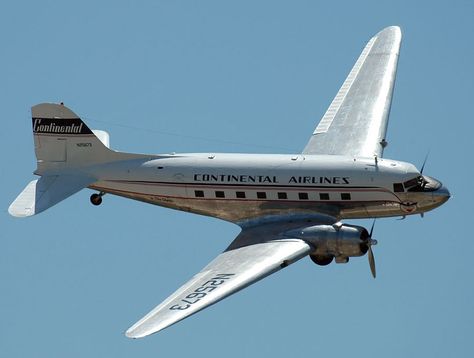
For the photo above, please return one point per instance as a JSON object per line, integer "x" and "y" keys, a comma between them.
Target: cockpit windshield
{"x": 422, "y": 183}
{"x": 412, "y": 183}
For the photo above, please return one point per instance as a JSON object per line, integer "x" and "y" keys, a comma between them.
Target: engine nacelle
{"x": 339, "y": 241}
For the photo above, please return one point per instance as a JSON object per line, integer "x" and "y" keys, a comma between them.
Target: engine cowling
{"x": 335, "y": 241}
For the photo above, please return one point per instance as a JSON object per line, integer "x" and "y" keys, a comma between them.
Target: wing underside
{"x": 242, "y": 264}
{"x": 355, "y": 123}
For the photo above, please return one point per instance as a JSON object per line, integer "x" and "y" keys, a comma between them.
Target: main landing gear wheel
{"x": 96, "y": 199}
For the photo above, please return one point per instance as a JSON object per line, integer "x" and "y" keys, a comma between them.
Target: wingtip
{"x": 139, "y": 331}
{"x": 392, "y": 31}
{"x": 393, "y": 28}
{"x": 389, "y": 39}
{"x": 130, "y": 335}
{"x": 137, "y": 334}
{"x": 134, "y": 333}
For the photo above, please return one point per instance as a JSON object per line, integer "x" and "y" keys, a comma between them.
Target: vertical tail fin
{"x": 62, "y": 139}
{"x": 64, "y": 146}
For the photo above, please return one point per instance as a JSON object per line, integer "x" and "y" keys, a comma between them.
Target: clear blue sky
{"x": 222, "y": 76}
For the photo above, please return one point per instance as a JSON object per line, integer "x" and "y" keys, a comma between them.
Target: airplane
{"x": 288, "y": 206}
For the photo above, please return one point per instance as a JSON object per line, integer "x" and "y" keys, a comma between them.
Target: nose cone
{"x": 441, "y": 195}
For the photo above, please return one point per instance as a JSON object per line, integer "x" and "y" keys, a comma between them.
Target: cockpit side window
{"x": 421, "y": 183}
{"x": 418, "y": 181}
{"x": 398, "y": 187}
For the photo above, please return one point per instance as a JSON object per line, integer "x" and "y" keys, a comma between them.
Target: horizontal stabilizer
{"x": 41, "y": 194}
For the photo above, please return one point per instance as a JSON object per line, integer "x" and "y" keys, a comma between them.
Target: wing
{"x": 256, "y": 253}
{"x": 356, "y": 122}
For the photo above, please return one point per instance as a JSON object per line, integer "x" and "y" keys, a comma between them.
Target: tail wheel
{"x": 96, "y": 199}
{"x": 321, "y": 260}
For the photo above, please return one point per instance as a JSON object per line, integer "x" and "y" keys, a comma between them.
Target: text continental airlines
{"x": 232, "y": 178}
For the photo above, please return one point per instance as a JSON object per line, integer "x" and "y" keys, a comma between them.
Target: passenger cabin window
{"x": 261, "y": 195}
{"x": 346, "y": 196}
{"x": 220, "y": 194}
{"x": 398, "y": 187}
{"x": 324, "y": 196}
{"x": 303, "y": 196}
{"x": 240, "y": 194}
{"x": 282, "y": 196}
{"x": 198, "y": 193}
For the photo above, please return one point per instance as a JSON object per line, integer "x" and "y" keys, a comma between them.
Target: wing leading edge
{"x": 356, "y": 121}
{"x": 257, "y": 252}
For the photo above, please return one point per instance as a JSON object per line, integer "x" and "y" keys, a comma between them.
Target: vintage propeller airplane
{"x": 288, "y": 206}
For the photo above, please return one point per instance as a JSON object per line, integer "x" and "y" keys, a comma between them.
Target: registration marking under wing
{"x": 228, "y": 273}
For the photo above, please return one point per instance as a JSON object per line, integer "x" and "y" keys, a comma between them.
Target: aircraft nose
{"x": 442, "y": 194}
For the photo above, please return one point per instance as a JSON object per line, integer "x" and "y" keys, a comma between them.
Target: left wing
{"x": 355, "y": 123}
{"x": 253, "y": 255}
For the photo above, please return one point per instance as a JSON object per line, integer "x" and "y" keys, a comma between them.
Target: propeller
{"x": 370, "y": 254}
{"x": 424, "y": 162}
{"x": 423, "y": 168}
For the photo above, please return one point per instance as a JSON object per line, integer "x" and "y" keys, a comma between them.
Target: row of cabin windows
{"x": 263, "y": 195}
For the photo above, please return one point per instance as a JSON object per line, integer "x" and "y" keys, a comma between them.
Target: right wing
{"x": 228, "y": 273}
{"x": 355, "y": 123}
{"x": 257, "y": 252}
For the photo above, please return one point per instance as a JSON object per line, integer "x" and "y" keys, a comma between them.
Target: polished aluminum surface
{"x": 356, "y": 121}
{"x": 230, "y": 272}
{"x": 288, "y": 206}
{"x": 174, "y": 185}
{"x": 41, "y": 194}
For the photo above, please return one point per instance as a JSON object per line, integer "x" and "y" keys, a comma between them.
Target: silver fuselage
{"x": 239, "y": 187}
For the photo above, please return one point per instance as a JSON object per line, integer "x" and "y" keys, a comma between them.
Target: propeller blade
{"x": 424, "y": 162}
{"x": 372, "y": 262}
{"x": 372, "y": 229}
